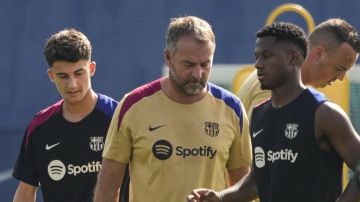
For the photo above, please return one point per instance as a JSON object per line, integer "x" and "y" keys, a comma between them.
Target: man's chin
{"x": 264, "y": 87}
{"x": 192, "y": 92}
{"x": 73, "y": 99}
{"x": 322, "y": 85}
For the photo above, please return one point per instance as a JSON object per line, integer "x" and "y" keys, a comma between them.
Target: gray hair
{"x": 196, "y": 27}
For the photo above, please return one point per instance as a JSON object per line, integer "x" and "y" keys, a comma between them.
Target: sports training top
{"x": 173, "y": 148}
{"x": 288, "y": 163}
{"x": 63, "y": 157}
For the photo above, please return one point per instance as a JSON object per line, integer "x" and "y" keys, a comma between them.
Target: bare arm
{"x": 109, "y": 181}
{"x": 25, "y": 192}
{"x": 352, "y": 191}
{"x": 334, "y": 126}
{"x": 237, "y": 174}
{"x": 244, "y": 190}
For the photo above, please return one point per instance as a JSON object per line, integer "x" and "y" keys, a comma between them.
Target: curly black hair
{"x": 285, "y": 31}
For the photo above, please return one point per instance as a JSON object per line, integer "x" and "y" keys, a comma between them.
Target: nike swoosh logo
{"x": 257, "y": 133}
{"x": 48, "y": 147}
{"x": 154, "y": 128}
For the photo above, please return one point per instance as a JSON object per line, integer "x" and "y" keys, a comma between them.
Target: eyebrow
{"x": 62, "y": 73}
{"x": 190, "y": 62}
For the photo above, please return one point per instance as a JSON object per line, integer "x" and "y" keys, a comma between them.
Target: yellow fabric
{"x": 184, "y": 127}
{"x": 241, "y": 76}
{"x": 251, "y": 94}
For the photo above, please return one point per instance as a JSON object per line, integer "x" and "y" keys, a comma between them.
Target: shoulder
{"x": 262, "y": 107}
{"x": 316, "y": 95}
{"x": 138, "y": 94}
{"x": 221, "y": 93}
{"x": 251, "y": 80}
{"x": 106, "y": 104}
{"x": 251, "y": 94}
{"x": 250, "y": 84}
{"x": 141, "y": 92}
{"x": 329, "y": 111}
{"x": 229, "y": 99}
{"x": 331, "y": 120}
{"x": 43, "y": 116}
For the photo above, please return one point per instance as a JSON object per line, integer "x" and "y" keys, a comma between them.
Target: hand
{"x": 203, "y": 195}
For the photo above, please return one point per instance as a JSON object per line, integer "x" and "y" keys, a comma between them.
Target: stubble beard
{"x": 187, "y": 87}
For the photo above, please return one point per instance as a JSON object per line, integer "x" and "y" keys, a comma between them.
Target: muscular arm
{"x": 237, "y": 174}
{"x": 243, "y": 190}
{"x": 25, "y": 192}
{"x": 352, "y": 191}
{"x": 334, "y": 130}
{"x": 109, "y": 181}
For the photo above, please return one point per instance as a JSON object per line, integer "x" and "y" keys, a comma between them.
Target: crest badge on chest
{"x": 291, "y": 130}
{"x": 96, "y": 143}
{"x": 212, "y": 129}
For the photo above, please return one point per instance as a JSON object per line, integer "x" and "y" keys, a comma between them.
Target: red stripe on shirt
{"x": 42, "y": 117}
{"x": 137, "y": 94}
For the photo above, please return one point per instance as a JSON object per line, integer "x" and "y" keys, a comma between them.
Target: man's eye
{"x": 339, "y": 69}
{"x": 62, "y": 76}
{"x": 266, "y": 56}
{"x": 262, "y": 57}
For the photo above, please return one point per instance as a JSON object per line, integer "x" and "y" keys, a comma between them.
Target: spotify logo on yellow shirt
{"x": 162, "y": 149}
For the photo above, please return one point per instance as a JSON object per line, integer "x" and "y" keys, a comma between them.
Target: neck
{"x": 306, "y": 72}
{"x": 75, "y": 112}
{"x": 287, "y": 93}
{"x": 175, "y": 94}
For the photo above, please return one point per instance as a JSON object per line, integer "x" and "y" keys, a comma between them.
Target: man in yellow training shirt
{"x": 179, "y": 132}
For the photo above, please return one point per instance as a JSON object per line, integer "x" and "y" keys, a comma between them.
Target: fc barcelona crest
{"x": 96, "y": 143}
{"x": 291, "y": 130}
{"x": 211, "y": 129}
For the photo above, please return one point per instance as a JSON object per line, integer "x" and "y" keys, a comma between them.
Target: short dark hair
{"x": 284, "y": 31}
{"x": 67, "y": 45}
{"x": 334, "y": 32}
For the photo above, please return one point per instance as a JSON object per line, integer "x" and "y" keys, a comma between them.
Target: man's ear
{"x": 92, "y": 67}
{"x": 317, "y": 54}
{"x": 167, "y": 57}
{"x": 51, "y": 75}
{"x": 296, "y": 58}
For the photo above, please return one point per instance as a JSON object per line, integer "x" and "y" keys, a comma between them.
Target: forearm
{"x": 25, "y": 192}
{"x": 23, "y": 198}
{"x": 106, "y": 193}
{"x": 245, "y": 190}
{"x": 352, "y": 190}
{"x": 238, "y": 174}
{"x": 109, "y": 181}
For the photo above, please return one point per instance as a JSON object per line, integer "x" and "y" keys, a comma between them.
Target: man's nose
{"x": 197, "y": 72}
{"x": 72, "y": 83}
